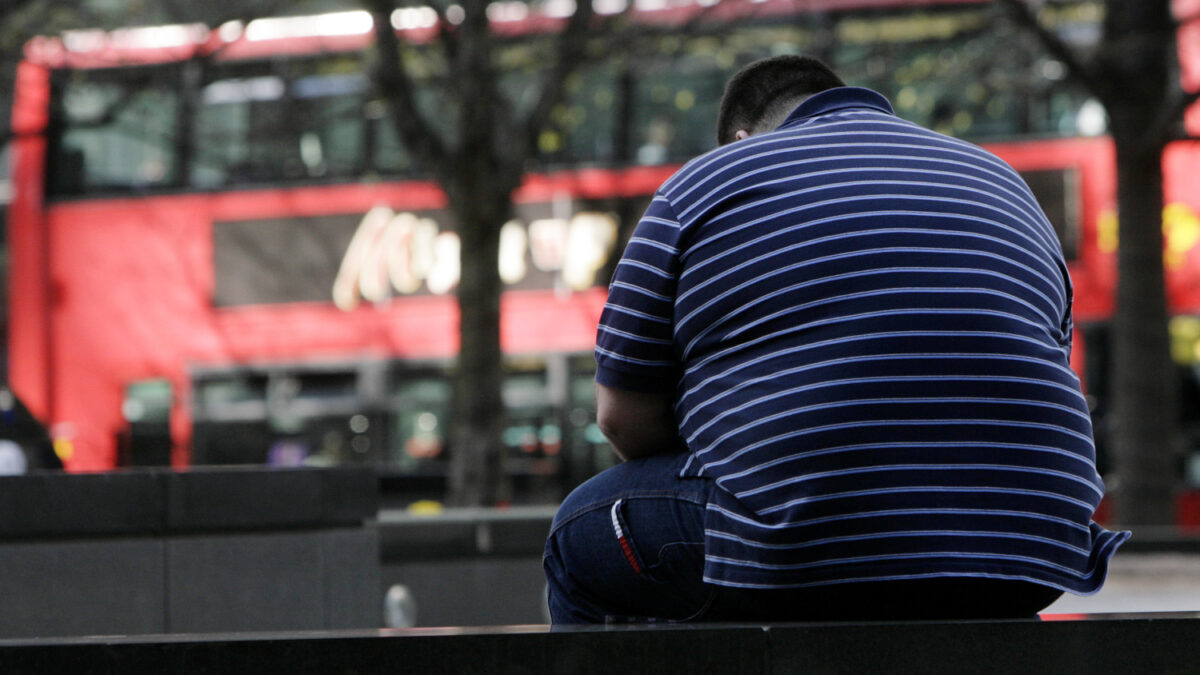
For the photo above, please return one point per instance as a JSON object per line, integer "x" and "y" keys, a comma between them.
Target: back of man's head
{"x": 760, "y": 96}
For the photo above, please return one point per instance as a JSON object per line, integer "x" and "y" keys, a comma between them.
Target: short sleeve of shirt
{"x": 634, "y": 348}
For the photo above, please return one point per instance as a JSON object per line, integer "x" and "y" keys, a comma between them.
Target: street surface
{"x": 1142, "y": 582}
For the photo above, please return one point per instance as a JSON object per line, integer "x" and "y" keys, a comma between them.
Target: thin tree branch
{"x": 474, "y": 81}
{"x": 1084, "y": 72}
{"x": 1187, "y": 99}
{"x": 581, "y": 32}
{"x": 570, "y": 52}
{"x": 1172, "y": 112}
{"x": 1181, "y": 22}
{"x": 7, "y": 7}
{"x": 12, "y": 10}
{"x": 1166, "y": 128}
{"x": 397, "y": 86}
{"x": 447, "y": 34}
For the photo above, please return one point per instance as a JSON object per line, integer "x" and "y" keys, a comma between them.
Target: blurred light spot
{"x": 84, "y": 40}
{"x": 399, "y": 607}
{"x": 231, "y": 31}
{"x": 559, "y": 9}
{"x": 1091, "y": 120}
{"x": 133, "y": 410}
{"x": 64, "y": 448}
{"x": 427, "y": 421}
{"x": 267, "y": 88}
{"x": 12, "y": 459}
{"x": 610, "y": 6}
{"x": 312, "y": 154}
{"x": 159, "y": 37}
{"x": 1053, "y": 70}
{"x": 357, "y": 22}
{"x": 507, "y": 11}
{"x": 963, "y": 121}
{"x": 549, "y": 141}
{"x": 425, "y": 507}
{"x": 410, "y": 18}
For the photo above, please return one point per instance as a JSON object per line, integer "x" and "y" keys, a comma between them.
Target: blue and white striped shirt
{"x": 866, "y": 326}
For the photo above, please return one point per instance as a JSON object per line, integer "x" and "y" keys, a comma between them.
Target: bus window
{"x": 328, "y": 109}
{"x": 589, "y": 452}
{"x": 230, "y": 418}
{"x": 1057, "y": 193}
{"x": 420, "y": 420}
{"x": 533, "y": 433}
{"x": 937, "y": 69}
{"x": 146, "y": 439}
{"x": 530, "y": 412}
{"x": 583, "y": 128}
{"x": 290, "y": 120}
{"x": 241, "y": 131}
{"x": 118, "y": 131}
{"x": 675, "y": 100}
{"x": 388, "y": 154}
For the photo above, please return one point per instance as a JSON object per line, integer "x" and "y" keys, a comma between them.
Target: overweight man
{"x": 835, "y": 359}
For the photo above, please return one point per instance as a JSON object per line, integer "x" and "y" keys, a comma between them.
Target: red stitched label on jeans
{"x": 623, "y": 540}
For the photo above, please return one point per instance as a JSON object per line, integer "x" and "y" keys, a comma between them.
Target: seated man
{"x": 835, "y": 355}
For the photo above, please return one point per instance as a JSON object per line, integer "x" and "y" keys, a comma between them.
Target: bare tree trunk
{"x": 1145, "y": 432}
{"x": 1139, "y": 49}
{"x": 1133, "y": 74}
{"x": 479, "y": 167}
{"x": 477, "y": 472}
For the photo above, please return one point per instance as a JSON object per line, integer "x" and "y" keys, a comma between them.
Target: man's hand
{"x": 637, "y": 424}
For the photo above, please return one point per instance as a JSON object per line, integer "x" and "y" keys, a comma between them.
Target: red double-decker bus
{"x": 221, "y": 253}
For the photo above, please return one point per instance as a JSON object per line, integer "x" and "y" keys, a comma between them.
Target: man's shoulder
{"x": 830, "y": 136}
{"x": 725, "y": 161}
{"x": 701, "y": 167}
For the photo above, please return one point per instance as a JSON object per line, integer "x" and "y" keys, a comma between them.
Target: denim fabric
{"x": 657, "y": 574}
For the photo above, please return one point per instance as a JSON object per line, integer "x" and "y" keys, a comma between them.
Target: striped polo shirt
{"x": 866, "y": 326}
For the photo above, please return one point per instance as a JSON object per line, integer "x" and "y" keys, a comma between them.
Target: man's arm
{"x": 638, "y": 424}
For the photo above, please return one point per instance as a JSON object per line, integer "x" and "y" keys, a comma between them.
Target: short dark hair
{"x": 754, "y": 94}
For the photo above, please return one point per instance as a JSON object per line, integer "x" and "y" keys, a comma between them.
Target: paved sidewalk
{"x": 1142, "y": 582}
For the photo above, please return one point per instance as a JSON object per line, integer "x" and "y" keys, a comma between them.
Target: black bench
{"x": 1115, "y": 644}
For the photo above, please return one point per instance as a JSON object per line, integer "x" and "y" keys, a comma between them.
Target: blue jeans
{"x": 627, "y": 546}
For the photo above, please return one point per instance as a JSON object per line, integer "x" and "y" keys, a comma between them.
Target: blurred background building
{"x": 220, "y": 252}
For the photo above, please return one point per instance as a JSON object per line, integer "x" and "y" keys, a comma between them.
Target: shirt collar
{"x": 838, "y": 98}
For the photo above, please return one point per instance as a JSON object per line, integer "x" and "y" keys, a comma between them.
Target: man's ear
{"x": 741, "y": 134}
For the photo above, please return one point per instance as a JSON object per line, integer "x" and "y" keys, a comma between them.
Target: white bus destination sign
{"x": 400, "y": 252}
{"x": 385, "y": 254}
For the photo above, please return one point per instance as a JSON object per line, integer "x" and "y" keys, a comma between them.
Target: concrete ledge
{"x": 163, "y": 501}
{"x": 469, "y": 567}
{"x": 215, "y": 549}
{"x": 461, "y": 534}
{"x": 1133, "y": 643}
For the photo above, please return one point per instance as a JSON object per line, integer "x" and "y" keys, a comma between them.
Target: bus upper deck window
{"x": 116, "y": 134}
